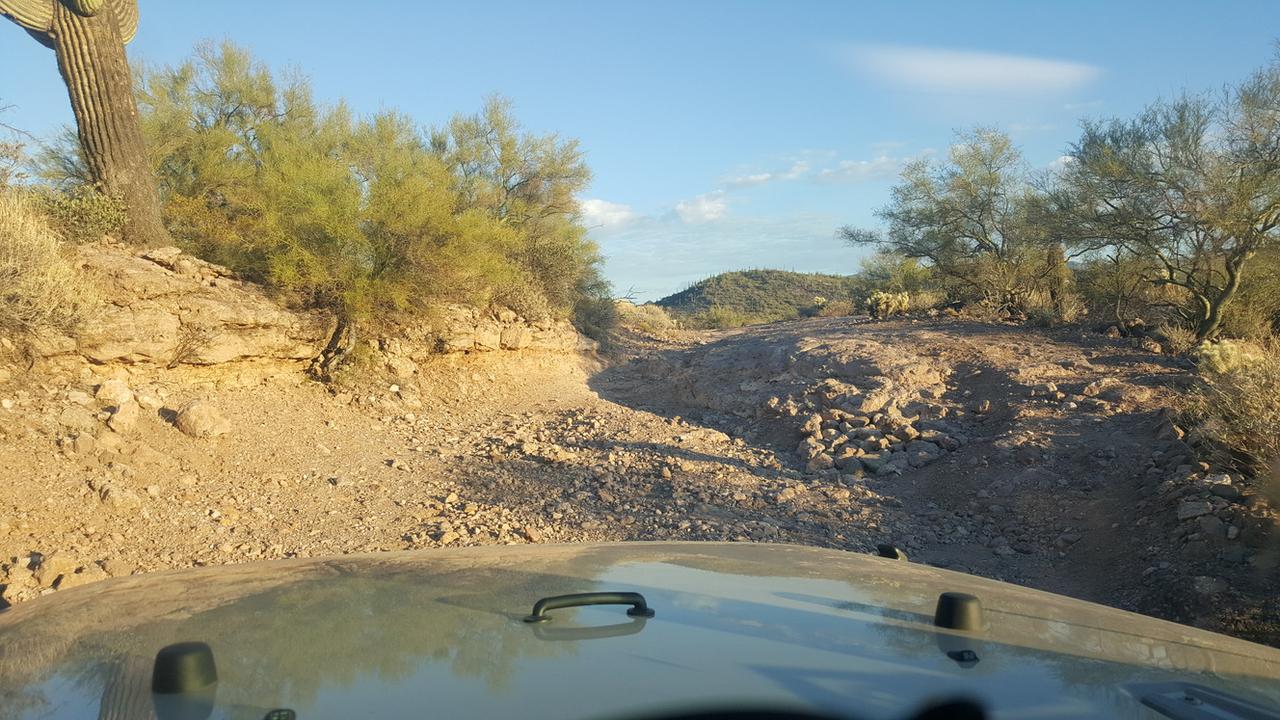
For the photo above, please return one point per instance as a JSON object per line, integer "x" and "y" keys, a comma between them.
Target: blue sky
{"x": 722, "y": 135}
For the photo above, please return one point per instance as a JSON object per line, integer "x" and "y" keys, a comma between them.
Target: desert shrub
{"x": 40, "y": 288}
{"x": 595, "y": 318}
{"x": 1071, "y": 307}
{"x": 836, "y": 308}
{"x": 975, "y": 219}
{"x": 1237, "y": 405}
{"x": 1048, "y": 309}
{"x": 891, "y": 272}
{"x": 12, "y": 160}
{"x": 814, "y": 307}
{"x": 1254, "y": 313}
{"x": 718, "y": 317}
{"x": 1177, "y": 339}
{"x": 81, "y": 214}
{"x": 885, "y": 304}
{"x": 648, "y": 318}
{"x": 1041, "y": 317}
{"x": 595, "y": 312}
{"x": 926, "y": 299}
{"x": 1115, "y": 288}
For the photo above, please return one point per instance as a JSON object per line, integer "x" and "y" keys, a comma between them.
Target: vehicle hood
{"x": 395, "y": 634}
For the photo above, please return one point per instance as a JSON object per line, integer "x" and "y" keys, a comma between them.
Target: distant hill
{"x": 762, "y": 294}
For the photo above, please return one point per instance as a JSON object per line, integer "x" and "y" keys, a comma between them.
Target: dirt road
{"x": 1035, "y": 457}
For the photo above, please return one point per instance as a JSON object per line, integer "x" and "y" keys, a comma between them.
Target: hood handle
{"x": 639, "y": 608}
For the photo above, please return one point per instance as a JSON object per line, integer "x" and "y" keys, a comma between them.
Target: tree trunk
{"x": 336, "y": 351}
{"x": 1211, "y": 320}
{"x": 92, "y": 62}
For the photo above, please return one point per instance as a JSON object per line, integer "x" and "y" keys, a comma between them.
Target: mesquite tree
{"x": 974, "y": 218}
{"x": 88, "y": 37}
{"x": 1190, "y": 186}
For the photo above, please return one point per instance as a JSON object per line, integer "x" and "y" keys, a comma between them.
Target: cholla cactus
{"x": 819, "y": 301}
{"x": 1228, "y": 356}
{"x": 884, "y": 304}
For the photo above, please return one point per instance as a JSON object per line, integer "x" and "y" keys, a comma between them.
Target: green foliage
{"x": 367, "y": 216}
{"x": 81, "y": 214}
{"x": 1114, "y": 287}
{"x": 648, "y": 318}
{"x": 892, "y": 272}
{"x": 836, "y": 308}
{"x": 975, "y": 219}
{"x": 41, "y": 290}
{"x": 1237, "y": 406}
{"x": 1189, "y": 188}
{"x": 719, "y": 317}
{"x": 595, "y": 313}
{"x": 526, "y": 183}
{"x": 923, "y": 300}
{"x": 755, "y": 296}
{"x": 1255, "y": 311}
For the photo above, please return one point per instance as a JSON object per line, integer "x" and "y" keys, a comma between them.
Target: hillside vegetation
{"x": 747, "y": 297}
{"x": 372, "y": 218}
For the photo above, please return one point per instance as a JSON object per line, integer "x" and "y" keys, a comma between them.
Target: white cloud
{"x": 749, "y": 180}
{"x": 1060, "y": 163}
{"x": 879, "y": 167}
{"x": 798, "y": 169}
{"x": 703, "y": 208}
{"x": 960, "y": 71}
{"x": 596, "y": 212}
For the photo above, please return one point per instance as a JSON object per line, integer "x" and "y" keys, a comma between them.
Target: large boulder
{"x": 200, "y": 419}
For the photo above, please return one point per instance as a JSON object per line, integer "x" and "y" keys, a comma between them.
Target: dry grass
{"x": 1238, "y": 404}
{"x": 835, "y": 308}
{"x": 924, "y": 300}
{"x": 650, "y": 319}
{"x": 1177, "y": 338}
{"x": 40, "y": 288}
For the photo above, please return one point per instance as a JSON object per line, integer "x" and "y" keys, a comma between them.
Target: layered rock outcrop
{"x": 165, "y": 308}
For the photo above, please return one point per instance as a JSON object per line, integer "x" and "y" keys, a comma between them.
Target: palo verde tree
{"x": 528, "y": 183}
{"x": 370, "y": 218}
{"x": 88, "y": 38}
{"x": 1191, "y": 187}
{"x": 973, "y": 218}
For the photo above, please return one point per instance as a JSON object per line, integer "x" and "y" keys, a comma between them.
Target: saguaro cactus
{"x": 88, "y": 37}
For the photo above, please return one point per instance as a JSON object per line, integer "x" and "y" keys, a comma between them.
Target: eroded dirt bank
{"x": 1041, "y": 458}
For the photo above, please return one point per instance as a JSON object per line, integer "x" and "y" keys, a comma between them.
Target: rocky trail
{"x": 1042, "y": 458}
